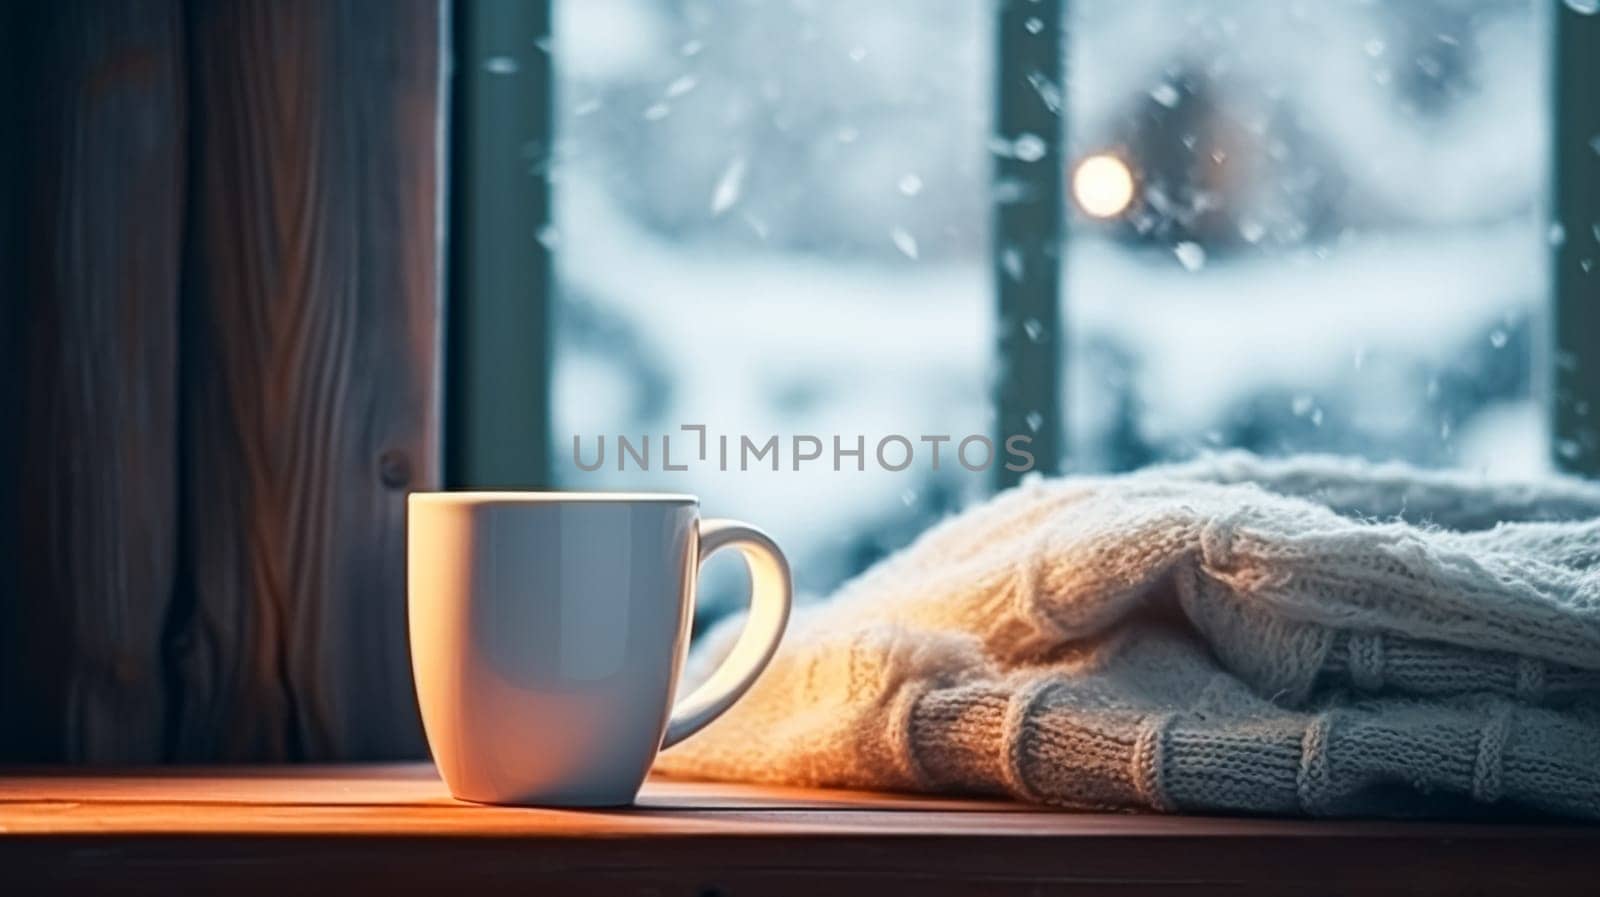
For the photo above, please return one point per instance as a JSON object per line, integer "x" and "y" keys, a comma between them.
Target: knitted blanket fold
{"x": 1309, "y": 636}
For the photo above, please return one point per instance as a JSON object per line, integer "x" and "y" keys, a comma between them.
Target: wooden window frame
{"x": 1574, "y": 369}
{"x": 498, "y": 357}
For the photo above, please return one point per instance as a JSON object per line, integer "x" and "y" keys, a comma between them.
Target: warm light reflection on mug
{"x": 1102, "y": 185}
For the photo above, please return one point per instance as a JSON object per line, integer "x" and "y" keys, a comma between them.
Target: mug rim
{"x": 543, "y": 497}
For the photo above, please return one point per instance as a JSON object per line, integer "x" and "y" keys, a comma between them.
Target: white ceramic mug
{"x": 547, "y": 631}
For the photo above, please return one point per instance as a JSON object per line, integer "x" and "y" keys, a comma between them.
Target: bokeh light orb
{"x": 1103, "y": 185}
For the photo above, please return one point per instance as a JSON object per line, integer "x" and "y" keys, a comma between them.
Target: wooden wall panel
{"x": 310, "y": 388}
{"x": 88, "y": 282}
{"x": 13, "y": 282}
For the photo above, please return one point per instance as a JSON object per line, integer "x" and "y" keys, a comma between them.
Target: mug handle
{"x": 771, "y": 593}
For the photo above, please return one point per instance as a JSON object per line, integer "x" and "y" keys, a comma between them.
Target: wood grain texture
{"x": 310, "y": 388}
{"x": 394, "y": 830}
{"x": 94, "y": 183}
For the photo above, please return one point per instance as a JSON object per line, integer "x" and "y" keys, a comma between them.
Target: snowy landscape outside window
{"x": 1295, "y": 226}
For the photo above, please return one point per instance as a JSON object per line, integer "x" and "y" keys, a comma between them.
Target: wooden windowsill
{"x": 394, "y": 830}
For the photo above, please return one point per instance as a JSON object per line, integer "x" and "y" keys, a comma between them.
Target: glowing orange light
{"x": 1103, "y": 185}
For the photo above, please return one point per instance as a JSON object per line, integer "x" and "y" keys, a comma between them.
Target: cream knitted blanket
{"x": 1304, "y": 637}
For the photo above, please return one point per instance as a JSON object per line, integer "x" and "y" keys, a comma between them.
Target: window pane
{"x": 1333, "y": 240}
{"x": 1302, "y": 226}
{"x": 771, "y": 220}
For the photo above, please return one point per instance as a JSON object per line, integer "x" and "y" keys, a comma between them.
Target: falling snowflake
{"x": 1011, "y": 262}
{"x": 1048, "y": 91}
{"x": 1191, "y": 255}
{"x": 1165, "y": 94}
{"x": 757, "y": 226}
{"x": 500, "y": 65}
{"x": 682, "y": 86}
{"x": 729, "y": 186}
{"x": 910, "y": 184}
{"x": 1584, "y": 7}
{"x": 904, "y": 242}
{"x": 657, "y": 112}
{"x": 1028, "y": 148}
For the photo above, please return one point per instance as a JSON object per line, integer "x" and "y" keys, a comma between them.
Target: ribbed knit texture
{"x": 1310, "y": 636}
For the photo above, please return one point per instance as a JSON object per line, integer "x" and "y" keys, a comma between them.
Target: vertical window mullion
{"x": 1575, "y": 372}
{"x": 498, "y": 321}
{"x": 1028, "y": 223}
